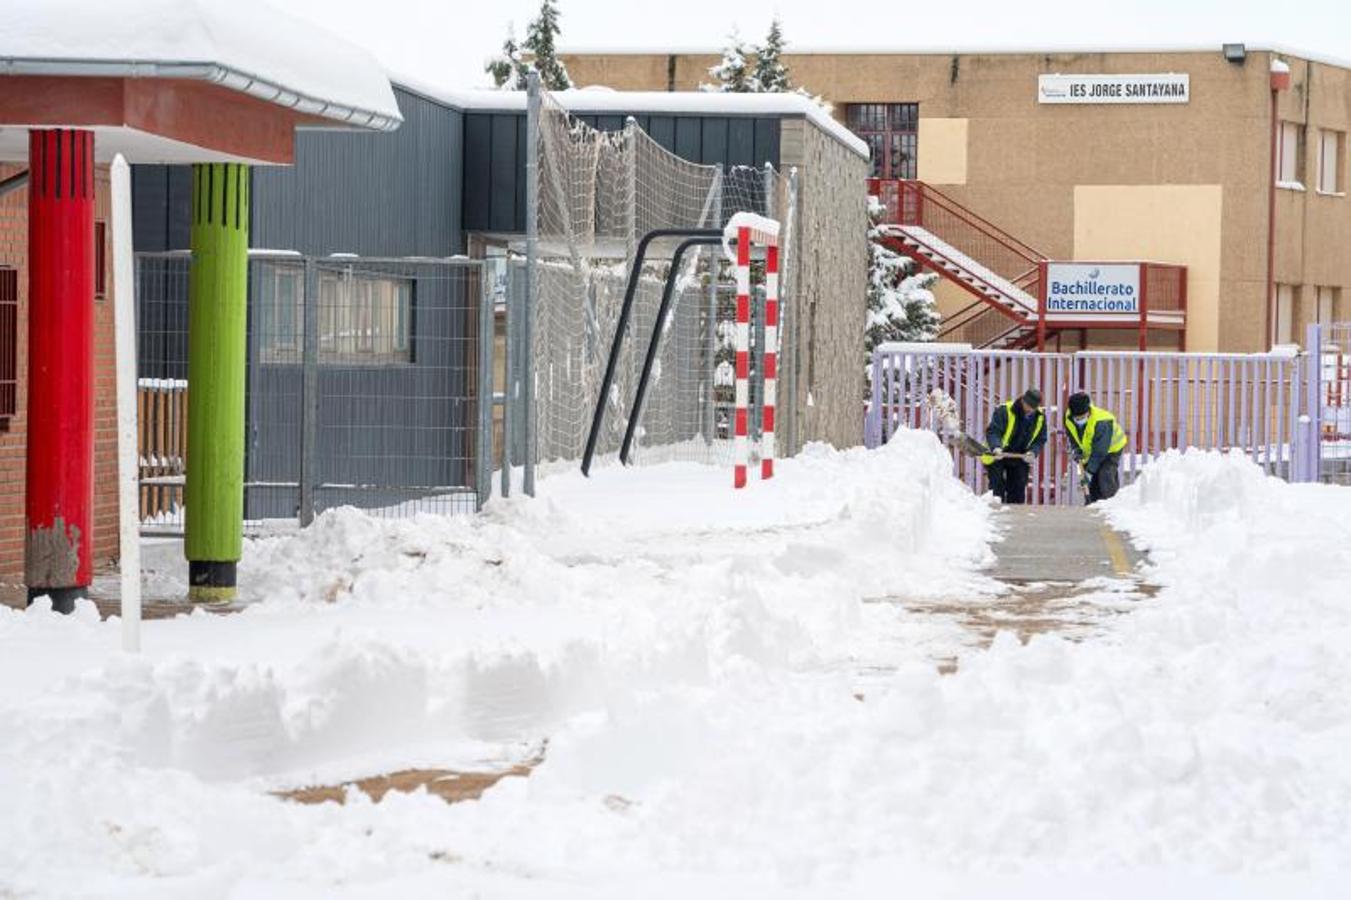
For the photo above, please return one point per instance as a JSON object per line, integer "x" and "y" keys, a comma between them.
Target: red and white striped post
{"x": 740, "y": 440}
{"x": 748, "y": 228}
{"x": 770, "y": 359}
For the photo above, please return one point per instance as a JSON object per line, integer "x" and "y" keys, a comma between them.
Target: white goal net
{"x": 598, "y": 194}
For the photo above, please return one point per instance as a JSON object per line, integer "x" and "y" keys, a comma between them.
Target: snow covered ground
{"x": 687, "y": 660}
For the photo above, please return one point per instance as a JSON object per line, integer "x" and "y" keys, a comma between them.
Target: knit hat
{"x": 1032, "y": 398}
{"x": 1079, "y": 404}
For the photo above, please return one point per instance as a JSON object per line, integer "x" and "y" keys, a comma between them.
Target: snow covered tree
{"x": 770, "y": 76}
{"x": 507, "y": 69}
{"x": 540, "y": 40}
{"x": 733, "y": 74}
{"x": 901, "y": 306}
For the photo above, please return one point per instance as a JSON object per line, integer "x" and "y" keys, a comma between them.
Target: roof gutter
{"x": 233, "y": 79}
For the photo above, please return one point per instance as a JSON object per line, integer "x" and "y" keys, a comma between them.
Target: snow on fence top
{"x": 605, "y": 100}
{"x": 246, "y": 45}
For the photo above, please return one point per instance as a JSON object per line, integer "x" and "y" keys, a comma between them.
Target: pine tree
{"x": 770, "y": 76}
{"x": 507, "y": 69}
{"x": 731, "y": 75}
{"x": 901, "y": 306}
{"x": 540, "y": 41}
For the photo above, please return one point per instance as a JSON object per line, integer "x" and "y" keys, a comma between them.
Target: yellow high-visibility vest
{"x": 1085, "y": 438}
{"x": 1008, "y": 429}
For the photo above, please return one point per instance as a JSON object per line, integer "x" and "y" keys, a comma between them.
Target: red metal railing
{"x": 916, "y": 203}
{"x": 981, "y": 325}
{"x": 1166, "y": 287}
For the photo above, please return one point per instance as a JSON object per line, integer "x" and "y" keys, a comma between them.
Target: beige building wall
{"x": 1022, "y": 164}
{"x": 1173, "y": 223}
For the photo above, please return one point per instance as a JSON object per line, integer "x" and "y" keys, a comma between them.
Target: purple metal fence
{"x": 1262, "y": 404}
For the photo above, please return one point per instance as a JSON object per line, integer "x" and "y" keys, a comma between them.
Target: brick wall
{"x": 14, "y": 252}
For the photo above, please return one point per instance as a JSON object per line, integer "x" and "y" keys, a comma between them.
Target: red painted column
{"x": 60, "y": 475}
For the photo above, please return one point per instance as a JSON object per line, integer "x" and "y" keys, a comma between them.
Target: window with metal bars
{"x": 891, "y": 131}
{"x": 100, "y": 260}
{"x": 9, "y": 345}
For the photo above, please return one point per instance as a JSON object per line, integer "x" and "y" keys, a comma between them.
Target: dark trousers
{"x": 1106, "y": 480}
{"x": 1008, "y": 479}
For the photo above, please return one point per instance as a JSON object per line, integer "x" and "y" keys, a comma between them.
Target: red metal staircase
{"x": 1002, "y": 273}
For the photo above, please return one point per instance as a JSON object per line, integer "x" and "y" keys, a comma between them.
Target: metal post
{"x": 1314, "y": 401}
{"x": 531, "y": 277}
{"x": 711, "y": 326}
{"x": 128, "y": 467}
{"x": 487, "y": 311}
{"x": 788, "y": 317}
{"x": 509, "y": 355}
{"x": 309, "y": 393}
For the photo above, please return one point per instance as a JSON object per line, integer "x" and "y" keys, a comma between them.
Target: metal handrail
{"x": 927, "y": 192}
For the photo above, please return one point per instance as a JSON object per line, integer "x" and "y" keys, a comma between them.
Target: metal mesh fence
{"x": 599, "y": 193}
{"x": 1335, "y": 377}
{"x": 362, "y": 386}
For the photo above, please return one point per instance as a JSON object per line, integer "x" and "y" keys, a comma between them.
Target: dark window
{"x": 9, "y": 344}
{"x": 363, "y": 319}
{"x": 891, "y": 131}
{"x": 100, "y": 260}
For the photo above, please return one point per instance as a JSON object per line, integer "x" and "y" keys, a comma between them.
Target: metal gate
{"x": 363, "y": 386}
{"x": 1261, "y": 404}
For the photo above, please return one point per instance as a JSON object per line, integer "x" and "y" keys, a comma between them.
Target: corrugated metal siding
{"x": 494, "y": 158}
{"x": 161, "y": 211}
{"x": 393, "y": 194}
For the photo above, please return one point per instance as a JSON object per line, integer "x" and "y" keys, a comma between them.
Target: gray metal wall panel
{"x": 374, "y": 194}
{"x": 490, "y": 150}
{"x": 504, "y": 181}
{"x": 713, "y": 148}
{"x": 741, "y": 142}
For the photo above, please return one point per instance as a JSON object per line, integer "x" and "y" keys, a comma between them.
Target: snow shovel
{"x": 1083, "y": 488}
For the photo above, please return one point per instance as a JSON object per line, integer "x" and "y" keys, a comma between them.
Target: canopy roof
{"x": 177, "y": 65}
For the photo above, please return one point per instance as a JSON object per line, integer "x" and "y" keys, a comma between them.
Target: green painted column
{"x": 217, "y": 313}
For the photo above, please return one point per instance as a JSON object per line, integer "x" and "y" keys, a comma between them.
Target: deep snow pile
{"x": 382, "y": 645}
{"x": 685, "y": 651}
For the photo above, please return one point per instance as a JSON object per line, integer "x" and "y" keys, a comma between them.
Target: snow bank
{"x": 690, "y": 655}
{"x": 379, "y": 645}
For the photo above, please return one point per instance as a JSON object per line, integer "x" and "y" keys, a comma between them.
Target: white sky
{"x": 446, "y": 41}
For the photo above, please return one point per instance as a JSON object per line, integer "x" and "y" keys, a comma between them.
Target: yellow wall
{"x": 1162, "y": 223}
{"x": 942, "y": 151}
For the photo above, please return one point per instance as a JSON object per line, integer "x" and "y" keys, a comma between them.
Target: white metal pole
{"x": 124, "y": 326}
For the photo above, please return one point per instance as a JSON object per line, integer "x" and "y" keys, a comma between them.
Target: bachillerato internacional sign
{"x": 1090, "y": 290}
{"x": 1171, "y": 88}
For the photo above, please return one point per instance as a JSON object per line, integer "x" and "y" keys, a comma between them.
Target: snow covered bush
{"x": 901, "y": 306}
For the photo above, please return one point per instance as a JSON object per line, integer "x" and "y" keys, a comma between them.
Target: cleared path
{"x": 1060, "y": 543}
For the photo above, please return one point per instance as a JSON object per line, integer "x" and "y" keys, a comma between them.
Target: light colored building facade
{"x": 1180, "y": 179}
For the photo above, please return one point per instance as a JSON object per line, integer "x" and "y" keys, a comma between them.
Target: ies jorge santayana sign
{"x": 1170, "y": 88}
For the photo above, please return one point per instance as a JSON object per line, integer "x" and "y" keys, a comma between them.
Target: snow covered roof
{"x": 606, "y": 100}
{"x": 245, "y": 46}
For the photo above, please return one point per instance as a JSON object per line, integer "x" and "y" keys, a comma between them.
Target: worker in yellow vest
{"x": 1015, "y": 436}
{"x": 1096, "y": 441}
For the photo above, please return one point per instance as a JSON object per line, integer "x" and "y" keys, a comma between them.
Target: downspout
{"x": 1280, "y": 81}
